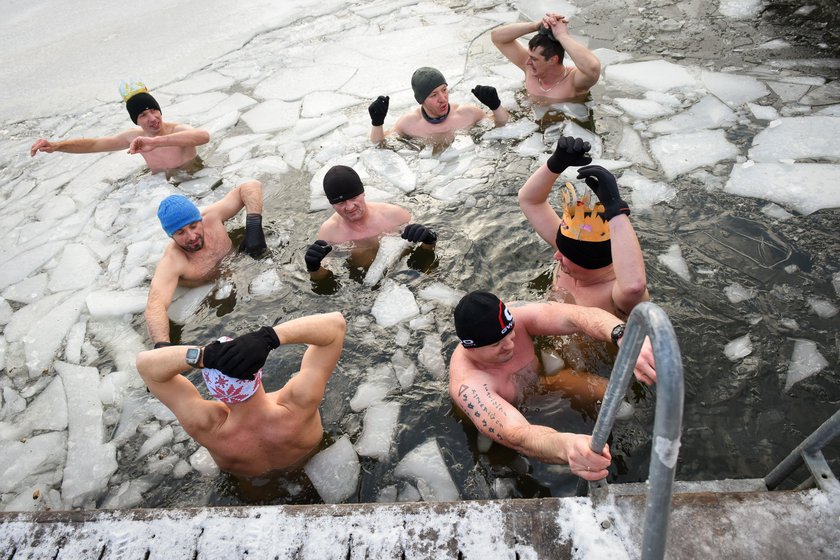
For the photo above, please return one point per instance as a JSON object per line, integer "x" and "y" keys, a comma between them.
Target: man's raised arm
{"x": 161, "y": 290}
{"x": 587, "y": 64}
{"x": 85, "y": 145}
{"x": 505, "y": 39}
{"x": 250, "y": 196}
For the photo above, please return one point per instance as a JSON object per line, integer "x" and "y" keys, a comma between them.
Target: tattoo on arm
{"x": 483, "y": 409}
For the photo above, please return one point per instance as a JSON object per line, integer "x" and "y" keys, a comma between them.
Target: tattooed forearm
{"x": 483, "y": 409}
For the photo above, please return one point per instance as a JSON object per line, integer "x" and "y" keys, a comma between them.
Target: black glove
{"x": 417, "y": 232}
{"x": 488, "y": 96}
{"x": 378, "y": 110}
{"x": 254, "y": 242}
{"x": 243, "y": 356}
{"x": 603, "y": 183}
{"x": 162, "y": 344}
{"x": 569, "y": 151}
{"x": 315, "y": 254}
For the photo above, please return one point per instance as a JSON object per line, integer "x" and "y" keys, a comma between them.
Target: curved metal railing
{"x": 649, "y": 320}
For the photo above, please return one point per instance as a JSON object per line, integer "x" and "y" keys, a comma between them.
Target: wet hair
{"x": 551, "y": 47}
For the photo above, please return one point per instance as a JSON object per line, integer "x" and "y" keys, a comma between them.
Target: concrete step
{"x": 732, "y": 525}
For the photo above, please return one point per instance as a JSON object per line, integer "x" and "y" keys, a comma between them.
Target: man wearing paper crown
{"x": 167, "y": 147}
{"x": 599, "y": 260}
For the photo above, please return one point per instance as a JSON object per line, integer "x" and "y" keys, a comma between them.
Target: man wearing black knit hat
{"x": 496, "y": 363}
{"x": 166, "y": 147}
{"x": 358, "y": 221}
{"x": 436, "y": 118}
{"x": 599, "y": 260}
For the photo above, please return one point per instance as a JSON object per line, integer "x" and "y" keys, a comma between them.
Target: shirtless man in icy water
{"x": 547, "y": 80}
{"x": 166, "y": 147}
{"x": 360, "y": 222}
{"x": 436, "y": 119}
{"x": 496, "y": 363}
{"x": 247, "y": 431}
{"x": 199, "y": 242}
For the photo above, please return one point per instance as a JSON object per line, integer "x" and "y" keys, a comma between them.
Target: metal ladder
{"x": 647, "y": 320}
{"x": 810, "y": 453}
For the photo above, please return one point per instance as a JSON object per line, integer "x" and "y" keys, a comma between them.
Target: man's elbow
{"x": 202, "y": 137}
{"x": 142, "y": 364}
{"x": 635, "y": 290}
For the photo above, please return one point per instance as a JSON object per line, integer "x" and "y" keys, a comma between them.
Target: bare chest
{"x": 565, "y": 290}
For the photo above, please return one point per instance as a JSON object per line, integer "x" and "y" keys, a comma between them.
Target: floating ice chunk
{"x": 379, "y": 382}
{"x": 292, "y": 84}
{"x": 674, "y": 260}
{"x": 200, "y": 186}
{"x": 113, "y": 387}
{"x": 232, "y": 104}
{"x": 60, "y": 206}
{"x": 822, "y": 307}
{"x": 680, "y": 153}
{"x": 391, "y": 167}
{"x": 646, "y": 193}
{"x": 334, "y": 472}
{"x": 90, "y": 461}
{"x": 430, "y": 356}
{"x": 48, "y": 411}
{"x": 773, "y": 44}
{"x": 738, "y": 293}
{"x": 24, "y": 318}
{"x": 322, "y": 103}
{"x": 195, "y": 105}
{"x": 36, "y": 497}
{"x": 122, "y": 344}
{"x": 733, "y": 89}
{"x": 632, "y": 148}
{"x": 789, "y": 92}
{"x": 240, "y": 141}
{"x": 187, "y": 302}
{"x": 126, "y": 495}
{"x": 39, "y": 458}
{"x": 155, "y": 441}
{"x": 378, "y": 433}
{"x": 307, "y": 129}
{"x": 740, "y": 9}
{"x": 805, "y": 362}
{"x": 656, "y": 75}
{"x": 404, "y": 368}
{"x": 390, "y": 250}
{"x": 776, "y": 211}
{"x": 441, "y": 293}
{"x": 425, "y": 465}
{"x": 709, "y": 112}
{"x": 797, "y": 138}
{"x": 6, "y": 312}
{"x": 738, "y": 348}
{"x": 576, "y": 131}
{"x": 76, "y": 269}
{"x": 830, "y": 111}
{"x": 293, "y": 154}
{"x": 518, "y": 129}
{"x": 763, "y": 112}
{"x": 115, "y": 304}
{"x": 203, "y": 462}
{"x": 265, "y": 283}
{"x": 22, "y": 265}
{"x": 422, "y": 322}
{"x": 804, "y": 187}
{"x": 823, "y": 95}
{"x": 27, "y": 291}
{"x": 452, "y": 190}
{"x": 531, "y": 146}
{"x": 609, "y": 56}
{"x": 394, "y": 303}
{"x": 199, "y": 83}
{"x": 642, "y": 108}
{"x": 272, "y": 115}
{"x": 47, "y": 334}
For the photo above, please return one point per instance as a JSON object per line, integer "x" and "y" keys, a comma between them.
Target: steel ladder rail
{"x": 648, "y": 320}
{"x": 810, "y": 453}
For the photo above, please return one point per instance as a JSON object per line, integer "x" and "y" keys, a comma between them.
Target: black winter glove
{"x": 603, "y": 183}
{"x": 162, "y": 344}
{"x": 315, "y": 254}
{"x": 243, "y": 356}
{"x": 417, "y": 232}
{"x": 254, "y": 242}
{"x": 569, "y": 151}
{"x": 488, "y": 96}
{"x": 378, "y": 110}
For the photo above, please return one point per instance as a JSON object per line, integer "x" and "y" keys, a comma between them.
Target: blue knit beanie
{"x": 176, "y": 211}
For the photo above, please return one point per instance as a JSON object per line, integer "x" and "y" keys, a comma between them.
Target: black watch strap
{"x": 617, "y": 333}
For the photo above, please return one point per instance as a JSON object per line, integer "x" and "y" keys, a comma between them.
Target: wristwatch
{"x": 194, "y": 356}
{"x": 617, "y": 333}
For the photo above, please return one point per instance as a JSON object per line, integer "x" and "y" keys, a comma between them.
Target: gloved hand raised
{"x": 603, "y": 183}
{"x": 569, "y": 152}
{"x": 315, "y": 254}
{"x": 243, "y": 356}
{"x": 254, "y": 242}
{"x": 378, "y": 110}
{"x": 417, "y": 232}
{"x": 488, "y": 96}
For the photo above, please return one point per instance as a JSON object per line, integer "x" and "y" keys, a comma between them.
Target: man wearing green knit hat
{"x": 436, "y": 118}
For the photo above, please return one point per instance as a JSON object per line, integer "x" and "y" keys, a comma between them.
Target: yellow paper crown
{"x": 130, "y": 88}
{"x": 581, "y": 217}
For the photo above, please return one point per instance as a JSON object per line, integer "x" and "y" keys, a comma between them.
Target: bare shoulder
{"x": 177, "y": 127}
{"x": 407, "y": 123}
{"x": 392, "y": 211}
{"x": 330, "y": 230}
{"x": 172, "y": 263}
{"x": 471, "y": 112}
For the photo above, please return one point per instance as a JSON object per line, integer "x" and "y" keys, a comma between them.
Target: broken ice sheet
{"x": 805, "y": 362}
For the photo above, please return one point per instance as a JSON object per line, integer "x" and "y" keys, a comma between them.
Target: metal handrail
{"x": 810, "y": 452}
{"x": 649, "y": 320}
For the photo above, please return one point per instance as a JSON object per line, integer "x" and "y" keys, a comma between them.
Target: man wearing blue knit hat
{"x": 199, "y": 242}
